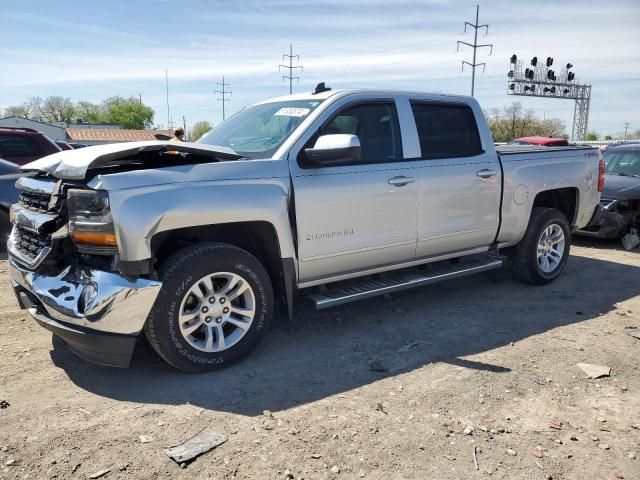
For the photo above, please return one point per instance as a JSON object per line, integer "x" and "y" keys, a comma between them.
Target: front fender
{"x": 141, "y": 213}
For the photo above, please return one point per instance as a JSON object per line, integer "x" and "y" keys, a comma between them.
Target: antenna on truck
{"x": 320, "y": 88}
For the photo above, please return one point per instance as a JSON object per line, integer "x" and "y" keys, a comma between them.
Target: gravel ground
{"x": 480, "y": 364}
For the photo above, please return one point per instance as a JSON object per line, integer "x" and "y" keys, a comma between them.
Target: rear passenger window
{"x": 446, "y": 131}
{"x": 17, "y": 146}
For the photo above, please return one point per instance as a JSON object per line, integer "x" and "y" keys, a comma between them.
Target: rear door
{"x": 460, "y": 182}
{"x": 360, "y": 215}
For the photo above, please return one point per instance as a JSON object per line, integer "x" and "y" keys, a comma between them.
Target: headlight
{"x": 90, "y": 222}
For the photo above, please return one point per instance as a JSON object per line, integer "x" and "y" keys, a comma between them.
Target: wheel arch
{"x": 259, "y": 238}
{"x": 563, "y": 199}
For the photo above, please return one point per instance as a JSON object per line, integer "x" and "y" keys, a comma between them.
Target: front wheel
{"x": 215, "y": 304}
{"x": 542, "y": 254}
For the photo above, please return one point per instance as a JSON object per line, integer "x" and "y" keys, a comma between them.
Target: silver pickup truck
{"x": 333, "y": 195}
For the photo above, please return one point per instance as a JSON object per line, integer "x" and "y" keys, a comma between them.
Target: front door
{"x": 361, "y": 215}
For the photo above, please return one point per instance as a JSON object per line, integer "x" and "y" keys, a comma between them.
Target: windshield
{"x": 258, "y": 131}
{"x": 622, "y": 162}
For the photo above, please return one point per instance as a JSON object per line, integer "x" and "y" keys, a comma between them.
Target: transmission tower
{"x": 223, "y": 92}
{"x": 291, "y": 67}
{"x": 475, "y": 47}
{"x": 626, "y": 128}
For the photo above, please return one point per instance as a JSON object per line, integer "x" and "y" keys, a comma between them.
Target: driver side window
{"x": 375, "y": 125}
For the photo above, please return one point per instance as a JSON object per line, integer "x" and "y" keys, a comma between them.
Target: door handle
{"x": 486, "y": 173}
{"x": 401, "y": 181}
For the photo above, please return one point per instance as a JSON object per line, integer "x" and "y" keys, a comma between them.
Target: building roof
{"x": 21, "y": 119}
{"x": 112, "y": 135}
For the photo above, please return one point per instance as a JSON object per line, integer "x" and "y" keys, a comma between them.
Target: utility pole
{"x": 291, "y": 67}
{"x": 166, "y": 78}
{"x": 140, "y": 98}
{"x": 184, "y": 127}
{"x": 475, "y": 47}
{"x": 626, "y": 127}
{"x": 223, "y": 92}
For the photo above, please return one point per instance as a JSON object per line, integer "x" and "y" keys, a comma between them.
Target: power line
{"x": 291, "y": 67}
{"x": 475, "y": 47}
{"x": 223, "y": 92}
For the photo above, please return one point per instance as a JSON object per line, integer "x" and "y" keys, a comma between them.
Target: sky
{"x": 94, "y": 50}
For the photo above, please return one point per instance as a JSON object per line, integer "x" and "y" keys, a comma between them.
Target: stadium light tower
{"x": 539, "y": 79}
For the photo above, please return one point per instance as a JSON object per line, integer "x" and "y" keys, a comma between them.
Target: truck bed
{"x": 513, "y": 149}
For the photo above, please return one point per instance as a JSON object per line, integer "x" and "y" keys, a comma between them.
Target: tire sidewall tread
{"x": 178, "y": 273}
{"x": 524, "y": 260}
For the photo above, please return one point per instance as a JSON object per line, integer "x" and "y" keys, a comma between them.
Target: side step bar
{"x": 353, "y": 290}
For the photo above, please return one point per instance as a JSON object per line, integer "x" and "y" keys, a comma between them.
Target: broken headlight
{"x": 90, "y": 222}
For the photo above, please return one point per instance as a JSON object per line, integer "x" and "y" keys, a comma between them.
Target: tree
{"x": 636, "y": 134}
{"x": 57, "y": 109}
{"x": 128, "y": 113}
{"x": 608, "y": 137}
{"x": 31, "y": 109}
{"x": 89, "y": 112}
{"x": 514, "y": 121}
{"x": 198, "y": 129}
{"x": 592, "y": 136}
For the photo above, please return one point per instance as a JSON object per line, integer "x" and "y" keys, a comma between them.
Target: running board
{"x": 359, "y": 289}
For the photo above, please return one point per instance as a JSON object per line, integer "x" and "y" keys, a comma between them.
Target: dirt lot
{"x": 491, "y": 354}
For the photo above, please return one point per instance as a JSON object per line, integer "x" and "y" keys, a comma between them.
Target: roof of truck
{"x": 343, "y": 91}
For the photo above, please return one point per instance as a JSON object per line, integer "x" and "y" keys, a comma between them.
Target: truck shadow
{"x": 320, "y": 354}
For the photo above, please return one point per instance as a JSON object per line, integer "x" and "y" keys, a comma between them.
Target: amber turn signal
{"x": 95, "y": 238}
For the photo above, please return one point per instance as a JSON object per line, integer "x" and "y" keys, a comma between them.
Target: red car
{"x": 24, "y": 145}
{"x": 542, "y": 141}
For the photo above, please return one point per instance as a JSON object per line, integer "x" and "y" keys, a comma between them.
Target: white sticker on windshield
{"x": 292, "y": 112}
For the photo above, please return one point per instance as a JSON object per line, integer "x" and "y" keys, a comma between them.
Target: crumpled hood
{"x": 73, "y": 164}
{"x": 621, "y": 187}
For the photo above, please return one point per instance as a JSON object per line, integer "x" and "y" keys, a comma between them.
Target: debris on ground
{"x": 100, "y": 473}
{"x": 631, "y": 239}
{"x": 536, "y": 453}
{"x": 145, "y": 438}
{"x": 200, "y": 443}
{"x": 556, "y": 424}
{"x": 604, "y": 446}
{"x": 618, "y": 475}
{"x": 335, "y": 469}
{"x": 379, "y": 407}
{"x": 511, "y": 452}
{"x": 633, "y": 331}
{"x": 4, "y": 404}
{"x": 377, "y": 366}
{"x": 468, "y": 430}
{"x": 594, "y": 371}
{"x": 475, "y": 457}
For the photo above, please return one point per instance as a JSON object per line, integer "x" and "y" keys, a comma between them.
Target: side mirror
{"x": 333, "y": 149}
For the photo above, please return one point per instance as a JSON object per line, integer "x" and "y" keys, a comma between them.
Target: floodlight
{"x": 514, "y": 58}
{"x": 534, "y": 61}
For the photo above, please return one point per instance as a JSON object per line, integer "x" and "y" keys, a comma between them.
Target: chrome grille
{"x": 37, "y": 202}
{"x": 38, "y": 195}
{"x": 30, "y": 244}
{"x": 34, "y": 219}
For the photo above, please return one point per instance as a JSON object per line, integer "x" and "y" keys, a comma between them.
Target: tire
{"x": 526, "y": 262}
{"x": 198, "y": 284}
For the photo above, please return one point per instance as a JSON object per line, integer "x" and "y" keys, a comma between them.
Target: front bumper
{"x": 99, "y": 314}
{"x": 605, "y": 223}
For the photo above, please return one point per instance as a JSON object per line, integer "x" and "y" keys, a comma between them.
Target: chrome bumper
{"x": 99, "y": 301}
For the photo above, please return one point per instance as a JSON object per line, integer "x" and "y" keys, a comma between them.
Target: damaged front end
{"x": 615, "y": 219}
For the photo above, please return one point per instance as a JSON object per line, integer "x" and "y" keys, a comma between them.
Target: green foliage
{"x": 608, "y": 137}
{"x": 514, "y": 122}
{"x": 592, "y": 136}
{"x": 198, "y": 129}
{"x": 126, "y": 112}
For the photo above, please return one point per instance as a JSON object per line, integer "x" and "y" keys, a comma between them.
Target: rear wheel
{"x": 215, "y": 304}
{"x": 542, "y": 254}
